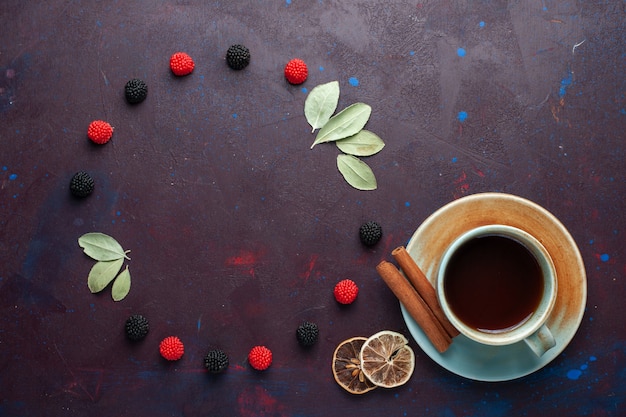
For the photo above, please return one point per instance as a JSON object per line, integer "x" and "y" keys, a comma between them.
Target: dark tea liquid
{"x": 493, "y": 283}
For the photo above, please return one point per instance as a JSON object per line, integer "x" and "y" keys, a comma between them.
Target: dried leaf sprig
{"x": 110, "y": 256}
{"x": 346, "y": 129}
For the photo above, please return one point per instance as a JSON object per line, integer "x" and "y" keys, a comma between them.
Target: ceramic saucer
{"x": 501, "y": 363}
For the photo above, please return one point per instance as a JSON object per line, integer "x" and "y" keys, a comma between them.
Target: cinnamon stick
{"x": 415, "y": 305}
{"x": 423, "y": 287}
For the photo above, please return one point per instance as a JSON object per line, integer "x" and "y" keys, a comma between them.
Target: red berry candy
{"x": 99, "y": 132}
{"x": 346, "y": 291}
{"x": 296, "y": 71}
{"x": 181, "y": 64}
{"x": 172, "y": 348}
{"x": 260, "y": 358}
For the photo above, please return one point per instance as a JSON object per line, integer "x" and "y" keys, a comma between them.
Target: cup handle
{"x": 541, "y": 341}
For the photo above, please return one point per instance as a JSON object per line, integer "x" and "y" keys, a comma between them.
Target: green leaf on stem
{"x": 101, "y": 247}
{"x": 346, "y": 123}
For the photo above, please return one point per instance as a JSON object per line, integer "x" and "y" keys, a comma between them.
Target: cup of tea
{"x": 497, "y": 285}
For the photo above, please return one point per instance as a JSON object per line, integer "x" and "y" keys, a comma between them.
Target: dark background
{"x": 239, "y": 231}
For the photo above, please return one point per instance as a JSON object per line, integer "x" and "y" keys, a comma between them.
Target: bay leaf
{"x": 121, "y": 285}
{"x": 356, "y": 172}
{"x": 101, "y": 247}
{"x": 364, "y": 143}
{"x": 346, "y": 123}
{"x": 102, "y": 273}
{"x": 321, "y": 103}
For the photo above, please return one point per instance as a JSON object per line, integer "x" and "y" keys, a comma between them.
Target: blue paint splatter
{"x": 304, "y": 90}
{"x": 12, "y": 177}
{"x": 118, "y": 213}
{"x": 288, "y": 2}
{"x": 461, "y": 52}
{"x": 354, "y": 82}
{"x": 565, "y": 83}
{"x": 574, "y": 374}
{"x": 454, "y": 159}
{"x": 604, "y": 257}
{"x": 462, "y": 116}
{"x": 235, "y": 115}
{"x": 412, "y": 53}
{"x": 447, "y": 413}
{"x": 481, "y": 24}
{"x": 4, "y": 168}
{"x": 407, "y": 204}
{"x": 622, "y": 111}
{"x": 321, "y": 69}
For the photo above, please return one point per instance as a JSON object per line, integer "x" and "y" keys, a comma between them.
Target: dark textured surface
{"x": 239, "y": 231}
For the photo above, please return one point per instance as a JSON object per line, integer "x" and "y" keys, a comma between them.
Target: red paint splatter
{"x": 257, "y": 402}
{"x": 85, "y": 383}
{"x": 462, "y": 187}
{"x": 237, "y": 367}
{"x": 244, "y": 258}
{"x": 478, "y": 172}
{"x": 311, "y": 265}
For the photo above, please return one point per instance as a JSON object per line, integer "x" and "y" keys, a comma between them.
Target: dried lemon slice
{"x": 347, "y": 366}
{"x": 387, "y": 360}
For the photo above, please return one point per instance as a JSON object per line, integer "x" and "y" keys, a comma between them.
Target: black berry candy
{"x": 370, "y": 233}
{"x": 216, "y": 361}
{"x": 136, "y": 91}
{"x": 238, "y": 57}
{"x": 307, "y": 334}
{"x": 81, "y": 184}
{"x": 137, "y": 327}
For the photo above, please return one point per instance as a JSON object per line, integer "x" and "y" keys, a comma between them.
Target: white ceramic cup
{"x": 533, "y": 330}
